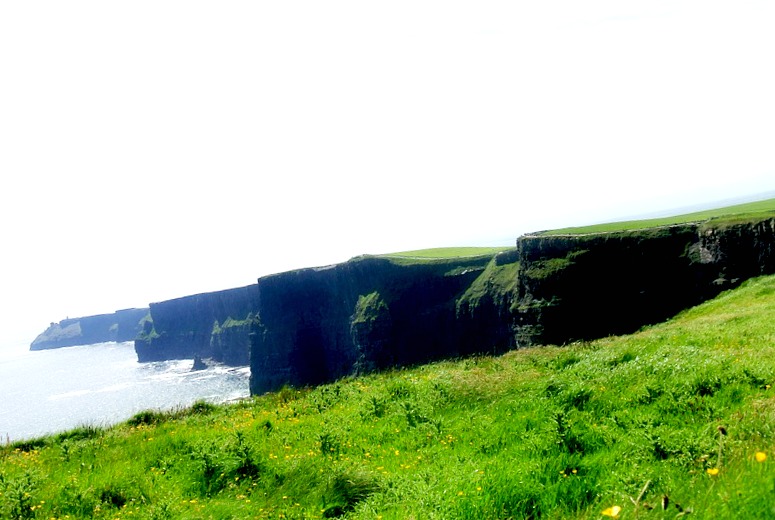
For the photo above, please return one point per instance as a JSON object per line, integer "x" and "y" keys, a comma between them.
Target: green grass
{"x": 448, "y": 252}
{"x": 748, "y": 211}
{"x": 496, "y": 281}
{"x": 633, "y": 421}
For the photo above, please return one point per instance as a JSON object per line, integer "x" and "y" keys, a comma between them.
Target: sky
{"x": 155, "y": 149}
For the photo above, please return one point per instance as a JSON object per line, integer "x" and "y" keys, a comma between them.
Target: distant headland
{"x": 122, "y": 325}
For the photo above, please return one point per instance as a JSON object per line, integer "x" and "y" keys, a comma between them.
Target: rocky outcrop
{"x": 578, "y": 287}
{"x": 316, "y": 325}
{"x": 212, "y": 325}
{"x": 123, "y": 325}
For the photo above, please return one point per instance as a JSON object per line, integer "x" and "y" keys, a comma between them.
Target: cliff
{"x": 577, "y": 287}
{"x": 121, "y": 325}
{"x": 316, "y": 325}
{"x": 209, "y": 325}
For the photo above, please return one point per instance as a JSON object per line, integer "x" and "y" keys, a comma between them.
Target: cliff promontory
{"x": 123, "y": 325}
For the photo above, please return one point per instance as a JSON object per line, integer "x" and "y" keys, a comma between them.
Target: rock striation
{"x": 123, "y": 325}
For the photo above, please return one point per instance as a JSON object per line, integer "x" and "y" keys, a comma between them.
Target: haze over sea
{"x": 50, "y": 391}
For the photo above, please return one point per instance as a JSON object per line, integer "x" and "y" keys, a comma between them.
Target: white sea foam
{"x": 68, "y": 395}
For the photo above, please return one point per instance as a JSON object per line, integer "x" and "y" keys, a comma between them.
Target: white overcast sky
{"x": 154, "y": 149}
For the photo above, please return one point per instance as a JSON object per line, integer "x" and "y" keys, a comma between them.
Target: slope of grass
{"x": 496, "y": 281}
{"x": 680, "y": 415}
{"x": 751, "y": 210}
{"x": 448, "y": 252}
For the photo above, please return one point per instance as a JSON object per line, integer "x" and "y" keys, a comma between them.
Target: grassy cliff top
{"x": 448, "y": 252}
{"x": 679, "y": 416}
{"x": 739, "y": 212}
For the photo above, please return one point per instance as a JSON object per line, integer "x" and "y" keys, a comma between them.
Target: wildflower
{"x": 712, "y": 471}
{"x": 612, "y": 511}
{"x": 760, "y": 456}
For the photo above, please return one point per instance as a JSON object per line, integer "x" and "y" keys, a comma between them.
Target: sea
{"x": 51, "y": 391}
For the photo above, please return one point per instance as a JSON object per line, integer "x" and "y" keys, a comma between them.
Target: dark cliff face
{"x": 316, "y": 325}
{"x": 736, "y": 251}
{"x": 584, "y": 287}
{"x": 123, "y": 325}
{"x": 212, "y": 325}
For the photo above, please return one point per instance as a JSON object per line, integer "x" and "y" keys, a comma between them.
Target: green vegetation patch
{"x": 369, "y": 307}
{"x": 738, "y": 213}
{"x": 498, "y": 280}
{"x": 676, "y": 420}
{"x": 147, "y": 330}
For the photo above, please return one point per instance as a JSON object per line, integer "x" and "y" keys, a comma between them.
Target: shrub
{"x": 147, "y": 417}
{"x": 202, "y": 408}
{"x": 345, "y": 490}
{"x": 79, "y": 433}
{"x": 17, "y": 499}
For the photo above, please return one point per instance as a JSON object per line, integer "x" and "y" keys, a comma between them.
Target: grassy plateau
{"x": 675, "y": 420}
{"x": 730, "y": 213}
{"x": 448, "y": 252}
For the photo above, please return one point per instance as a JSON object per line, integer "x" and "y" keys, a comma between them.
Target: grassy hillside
{"x": 749, "y": 210}
{"x": 448, "y": 252}
{"x": 676, "y": 419}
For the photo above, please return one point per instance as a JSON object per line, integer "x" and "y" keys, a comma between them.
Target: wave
{"x": 69, "y": 395}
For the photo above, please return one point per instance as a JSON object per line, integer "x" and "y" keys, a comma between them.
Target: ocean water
{"x": 50, "y": 391}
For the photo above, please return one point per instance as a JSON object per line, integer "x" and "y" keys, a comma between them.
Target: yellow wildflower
{"x": 612, "y": 511}
{"x": 760, "y": 456}
{"x": 712, "y": 471}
